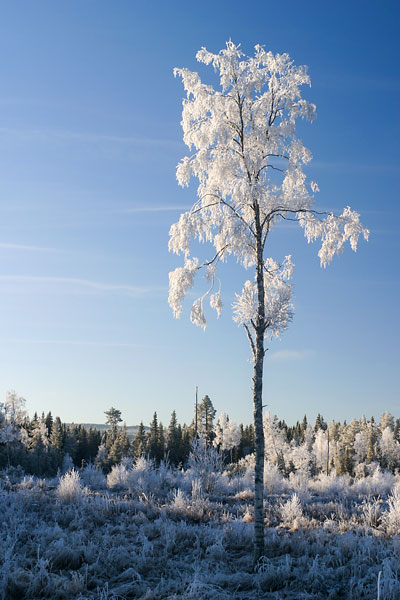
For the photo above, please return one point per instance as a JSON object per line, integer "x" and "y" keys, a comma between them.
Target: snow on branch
{"x": 249, "y": 162}
{"x": 278, "y": 299}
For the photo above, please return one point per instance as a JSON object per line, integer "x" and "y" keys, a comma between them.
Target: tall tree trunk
{"x": 257, "y": 402}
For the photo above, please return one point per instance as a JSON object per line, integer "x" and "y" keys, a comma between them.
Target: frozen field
{"x": 162, "y": 533}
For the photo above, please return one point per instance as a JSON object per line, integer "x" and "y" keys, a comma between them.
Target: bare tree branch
{"x": 216, "y": 258}
{"x": 252, "y": 345}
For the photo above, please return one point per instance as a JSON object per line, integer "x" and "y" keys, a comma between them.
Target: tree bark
{"x": 257, "y": 399}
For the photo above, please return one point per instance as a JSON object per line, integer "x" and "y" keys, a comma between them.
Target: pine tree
{"x": 206, "y": 419}
{"x": 348, "y": 460}
{"x": 49, "y": 422}
{"x": 188, "y": 435}
{"x": 40, "y": 463}
{"x": 320, "y": 423}
{"x": 140, "y": 443}
{"x": 154, "y": 440}
{"x": 173, "y": 441}
{"x": 120, "y": 446}
{"x": 56, "y": 436}
{"x": 397, "y": 430}
{"x": 70, "y": 441}
{"x": 113, "y": 416}
{"x": 161, "y": 442}
{"x": 93, "y": 442}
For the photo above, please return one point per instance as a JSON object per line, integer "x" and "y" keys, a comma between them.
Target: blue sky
{"x": 89, "y": 140}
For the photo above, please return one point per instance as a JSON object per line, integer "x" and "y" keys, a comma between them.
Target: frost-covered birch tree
{"x": 249, "y": 164}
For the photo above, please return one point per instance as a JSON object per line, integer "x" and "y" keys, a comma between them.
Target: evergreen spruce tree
{"x": 140, "y": 443}
{"x": 188, "y": 435}
{"x": 247, "y": 442}
{"x": 120, "y": 447}
{"x": 348, "y": 460}
{"x": 81, "y": 455}
{"x": 49, "y": 422}
{"x": 39, "y": 457}
{"x": 93, "y": 442}
{"x": 206, "y": 419}
{"x": 153, "y": 448}
{"x": 173, "y": 441}
{"x": 56, "y": 436}
{"x": 396, "y": 430}
{"x": 161, "y": 443}
{"x": 70, "y": 441}
{"x": 320, "y": 423}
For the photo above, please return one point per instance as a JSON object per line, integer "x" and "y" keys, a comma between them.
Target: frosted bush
{"x": 142, "y": 477}
{"x": 360, "y": 470}
{"x": 245, "y": 470}
{"x": 291, "y": 512}
{"x": 248, "y": 515}
{"x": 330, "y": 485}
{"x": 205, "y": 463}
{"x": 70, "y": 488}
{"x": 391, "y": 517}
{"x": 389, "y": 581}
{"x": 239, "y": 531}
{"x": 93, "y": 477}
{"x": 179, "y": 501}
{"x": 197, "y": 489}
{"x": 168, "y": 478}
{"x": 378, "y": 483}
{"x": 117, "y": 477}
{"x": 371, "y": 512}
{"x": 273, "y": 479}
{"x": 245, "y": 494}
{"x": 27, "y": 483}
{"x": 299, "y": 482}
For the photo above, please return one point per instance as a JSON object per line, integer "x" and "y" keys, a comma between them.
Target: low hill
{"x": 131, "y": 430}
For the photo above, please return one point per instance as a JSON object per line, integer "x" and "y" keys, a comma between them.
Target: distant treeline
{"x": 43, "y": 445}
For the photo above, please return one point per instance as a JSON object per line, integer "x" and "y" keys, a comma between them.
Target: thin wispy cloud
{"x": 76, "y": 343}
{"x": 46, "y": 135}
{"x": 144, "y": 209}
{"x": 76, "y": 284}
{"x": 26, "y": 247}
{"x": 291, "y": 355}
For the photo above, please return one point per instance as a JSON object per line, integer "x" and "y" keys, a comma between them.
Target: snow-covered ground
{"x": 154, "y": 533}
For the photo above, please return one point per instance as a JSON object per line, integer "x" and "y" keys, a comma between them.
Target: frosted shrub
{"x": 389, "y": 582}
{"x": 93, "y": 477}
{"x": 273, "y": 479}
{"x": 360, "y": 470}
{"x": 205, "y": 463}
{"x": 70, "y": 487}
{"x": 197, "y": 489}
{"x": 330, "y": 485}
{"x": 299, "y": 482}
{"x": 371, "y": 512}
{"x": 379, "y": 482}
{"x": 179, "y": 500}
{"x": 245, "y": 469}
{"x": 117, "y": 477}
{"x": 142, "y": 478}
{"x": 28, "y": 483}
{"x": 391, "y": 517}
{"x": 291, "y": 512}
{"x": 168, "y": 478}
